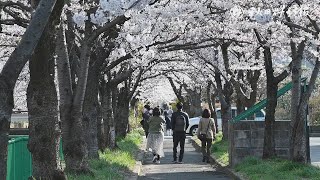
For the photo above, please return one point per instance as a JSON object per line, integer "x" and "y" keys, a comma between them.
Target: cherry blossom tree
{"x": 301, "y": 18}
{"x": 44, "y": 131}
{"x": 12, "y": 68}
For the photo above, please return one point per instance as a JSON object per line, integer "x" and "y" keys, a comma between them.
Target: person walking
{"x": 179, "y": 124}
{"x": 168, "y": 123}
{"x": 156, "y": 136}
{"x": 145, "y": 117}
{"x": 206, "y": 133}
{"x": 170, "y": 112}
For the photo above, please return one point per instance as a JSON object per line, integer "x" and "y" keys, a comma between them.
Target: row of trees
{"x": 103, "y": 52}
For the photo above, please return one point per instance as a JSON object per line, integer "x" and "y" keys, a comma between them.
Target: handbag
{"x": 204, "y": 136}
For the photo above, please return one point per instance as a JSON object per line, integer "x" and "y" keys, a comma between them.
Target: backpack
{"x": 180, "y": 123}
{"x": 142, "y": 122}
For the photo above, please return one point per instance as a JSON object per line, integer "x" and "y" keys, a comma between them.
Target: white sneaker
{"x": 158, "y": 162}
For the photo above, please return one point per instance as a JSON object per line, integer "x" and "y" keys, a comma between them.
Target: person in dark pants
{"x": 179, "y": 124}
{"x": 145, "y": 117}
{"x": 206, "y": 133}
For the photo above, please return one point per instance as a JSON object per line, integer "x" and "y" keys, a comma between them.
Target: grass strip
{"x": 258, "y": 169}
{"x": 219, "y": 150}
{"x": 254, "y": 168}
{"x": 114, "y": 164}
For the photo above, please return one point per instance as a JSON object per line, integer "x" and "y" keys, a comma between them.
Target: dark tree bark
{"x": 126, "y": 93}
{"x": 108, "y": 118}
{"x": 299, "y": 99}
{"x": 249, "y": 76}
{"x": 74, "y": 145}
{"x": 110, "y": 104}
{"x": 122, "y": 116}
{"x": 194, "y": 99}
{"x": 100, "y": 130}
{"x": 299, "y": 102}
{"x": 90, "y": 113}
{"x": 44, "y": 132}
{"x": 11, "y": 71}
{"x": 224, "y": 93}
{"x": 211, "y": 102}
{"x": 91, "y": 102}
{"x": 272, "y": 88}
{"x": 178, "y": 93}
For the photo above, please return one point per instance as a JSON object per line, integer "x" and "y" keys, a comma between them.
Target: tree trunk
{"x": 100, "y": 128}
{"x": 44, "y": 132}
{"x": 195, "y": 102}
{"x": 122, "y": 117}
{"x": 299, "y": 101}
{"x": 186, "y": 105}
{"x": 74, "y": 145}
{"x": 298, "y": 144}
{"x": 11, "y": 70}
{"x": 224, "y": 95}
{"x": 272, "y": 88}
{"x": 212, "y": 104}
{"x": 90, "y": 110}
{"x": 6, "y": 106}
{"x": 108, "y": 118}
{"x": 269, "y": 144}
{"x": 225, "y": 118}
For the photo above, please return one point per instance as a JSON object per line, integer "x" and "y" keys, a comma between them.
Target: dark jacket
{"x": 145, "y": 117}
{"x": 168, "y": 122}
{"x": 174, "y": 117}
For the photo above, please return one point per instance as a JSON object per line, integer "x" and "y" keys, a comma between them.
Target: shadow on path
{"x": 192, "y": 167}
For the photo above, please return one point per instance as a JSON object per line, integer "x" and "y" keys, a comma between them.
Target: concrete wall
{"x": 247, "y": 137}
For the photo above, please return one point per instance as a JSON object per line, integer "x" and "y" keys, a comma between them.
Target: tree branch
{"x": 106, "y": 27}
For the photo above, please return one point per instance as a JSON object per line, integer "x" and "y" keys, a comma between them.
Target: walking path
{"x": 192, "y": 168}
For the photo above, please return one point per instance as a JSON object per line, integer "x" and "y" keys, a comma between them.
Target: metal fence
{"x": 19, "y": 162}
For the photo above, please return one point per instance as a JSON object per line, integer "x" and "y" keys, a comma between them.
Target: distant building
{"x": 19, "y": 120}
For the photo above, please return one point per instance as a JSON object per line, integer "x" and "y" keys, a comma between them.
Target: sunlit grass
{"x": 220, "y": 150}
{"x": 258, "y": 169}
{"x": 114, "y": 164}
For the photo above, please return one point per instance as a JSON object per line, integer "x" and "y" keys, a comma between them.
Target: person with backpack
{"x": 179, "y": 124}
{"x": 206, "y": 133}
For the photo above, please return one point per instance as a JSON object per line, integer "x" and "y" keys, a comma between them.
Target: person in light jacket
{"x": 156, "y": 135}
{"x": 206, "y": 126}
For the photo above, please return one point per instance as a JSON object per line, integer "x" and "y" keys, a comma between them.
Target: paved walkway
{"x": 192, "y": 169}
{"x": 315, "y": 151}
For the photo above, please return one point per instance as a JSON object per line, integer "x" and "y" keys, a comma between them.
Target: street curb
{"x": 225, "y": 168}
{"x": 138, "y": 166}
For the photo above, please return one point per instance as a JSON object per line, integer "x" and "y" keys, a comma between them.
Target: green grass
{"x": 114, "y": 164}
{"x": 220, "y": 150}
{"x": 258, "y": 169}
